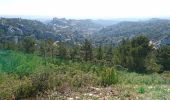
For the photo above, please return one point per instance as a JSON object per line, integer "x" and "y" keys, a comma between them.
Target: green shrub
{"x": 24, "y": 91}
{"x": 109, "y": 76}
{"x": 18, "y": 63}
{"x": 147, "y": 79}
{"x": 11, "y": 85}
{"x": 85, "y": 79}
{"x": 40, "y": 82}
{"x": 141, "y": 90}
{"x": 151, "y": 64}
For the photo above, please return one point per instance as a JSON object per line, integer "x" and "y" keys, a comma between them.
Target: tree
{"x": 43, "y": 50}
{"x": 100, "y": 53}
{"x": 151, "y": 63}
{"x": 123, "y": 54}
{"x": 163, "y": 57}
{"x": 109, "y": 55}
{"x": 62, "y": 51}
{"x": 140, "y": 49}
{"x": 87, "y": 50}
{"x": 50, "y": 48}
{"x": 29, "y": 44}
{"x": 132, "y": 53}
{"x": 74, "y": 53}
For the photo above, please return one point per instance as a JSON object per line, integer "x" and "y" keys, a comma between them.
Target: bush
{"x": 84, "y": 79}
{"x": 151, "y": 65}
{"x": 141, "y": 90}
{"x": 12, "y": 86}
{"x": 109, "y": 76}
{"x": 24, "y": 91}
{"x": 147, "y": 79}
{"x": 18, "y": 63}
{"x": 6, "y": 89}
{"x": 163, "y": 57}
{"x": 40, "y": 82}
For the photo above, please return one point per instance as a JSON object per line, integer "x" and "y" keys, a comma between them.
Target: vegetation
{"x": 37, "y": 68}
{"x": 163, "y": 55}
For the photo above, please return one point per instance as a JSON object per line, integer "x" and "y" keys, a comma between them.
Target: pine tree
{"x": 50, "y": 48}
{"x": 29, "y": 44}
{"x": 74, "y": 53}
{"x": 163, "y": 57}
{"x": 87, "y": 50}
{"x": 100, "y": 53}
{"x": 62, "y": 51}
{"x": 109, "y": 55}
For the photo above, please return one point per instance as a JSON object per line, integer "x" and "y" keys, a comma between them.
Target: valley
{"x": 83, "y": 59}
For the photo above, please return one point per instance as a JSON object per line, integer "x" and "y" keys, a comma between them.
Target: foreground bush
{"x": 109, "y": 76}
{"x": 147, "y": 79}
{"x": 10, "y": 84}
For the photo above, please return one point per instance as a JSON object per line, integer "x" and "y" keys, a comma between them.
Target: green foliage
{"x": 140, "y": 49}
{"x": 10, "y": 85}
{"x": 141, "y": 90}
{"x": 40, "y": 81}
{"x": 100, "y": 53}
{"x": 132, "y": 53}
{"x": 109, "y": 76}
{"x": 147, "y": 79}
{"x": 29, "y": 44}
{"x": 71, "y": 68}
{"x": 75, "y": 53}
{"x": 18, "y": 63}
{"x": 151, "y": 63}
{"x": 62, "y": 50}
{"x": 109, "y": 56}
{"x": 63, "y": 76}
{"x": 2, "y": 32}
{"x": 9, "y": 45}
{"x": 87, "y": 50}
{"x": 123, "y": 55}
{"x": 24, "y": 91}
{"x": 163, "y": 57}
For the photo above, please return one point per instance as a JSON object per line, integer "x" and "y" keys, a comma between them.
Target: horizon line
{"x": 81, "y": 18}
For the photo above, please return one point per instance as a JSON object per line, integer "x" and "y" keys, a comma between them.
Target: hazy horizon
{"x": 51, "y": 17}
{"x": 86, "y": 9}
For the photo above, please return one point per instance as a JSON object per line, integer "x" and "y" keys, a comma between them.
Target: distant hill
{"x": 57, "y": 29}
{"x": 109, "y": 22}
{"x": 106, "y": 22}
{"x": 71, "y": 25}
{"x": 155, "y": 29}
{"x": 75, "y": 31}
{"x": 24, "y": 27}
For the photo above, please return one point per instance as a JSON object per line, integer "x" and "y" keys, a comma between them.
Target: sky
{"x": 91, "y": 9}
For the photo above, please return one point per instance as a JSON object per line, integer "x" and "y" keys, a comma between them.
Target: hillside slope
{"x": 155, "y": 29}
{"x": 58, "y": 29}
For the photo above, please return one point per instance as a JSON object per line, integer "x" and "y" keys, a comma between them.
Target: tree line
{"x": 132, "y": 54}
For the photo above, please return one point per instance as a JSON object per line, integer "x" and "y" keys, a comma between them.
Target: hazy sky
{"x": 100, "y": 9}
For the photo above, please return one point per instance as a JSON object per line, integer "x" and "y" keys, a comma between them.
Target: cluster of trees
{"x": 134, "y": 54}
{"x": 138, "y": 55}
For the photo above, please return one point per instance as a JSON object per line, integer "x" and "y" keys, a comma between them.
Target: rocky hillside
{"x": 24, "y": 27}
{"x": 57, "y": 29}
{"x": 155, "y": 29}
{"x": 70, "y": 30}
{"x": 75, "y": 31}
